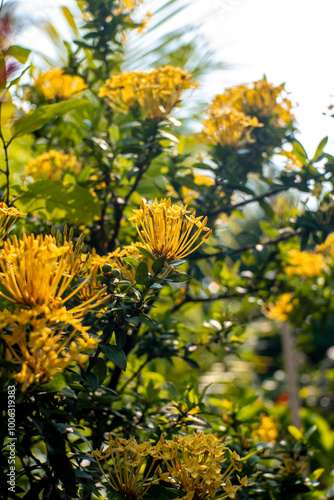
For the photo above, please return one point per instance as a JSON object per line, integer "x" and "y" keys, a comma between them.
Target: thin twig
{"x": 227, "y": 253}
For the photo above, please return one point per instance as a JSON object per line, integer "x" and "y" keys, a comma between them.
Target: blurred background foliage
{"x": 212, "y": 357}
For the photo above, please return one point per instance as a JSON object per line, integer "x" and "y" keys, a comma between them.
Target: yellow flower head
{"x": 304, "y": 264}
{"x": 52, "y": 165}
{"x": 293, "y": 163}
{"x": 155, "y": 92}
{"x": 327, "y": 248}
{"x": 228, "y": 127}
{"x": 117, "y": 262}
{"x": 37, "y": 272}
{"x": 8, "y": 217}
{"x": 283, "y": 306}
{"x": 128, "y": 5}
{"x": 121, "y": 464}
{"x": 41, "y": 349}
{"x": 267, "y": 430}
{"x": 195, "y": 464}
{"x": 55, "y": 84}
{"x": 168, "y": 229}
{"x": 261, "y": 99}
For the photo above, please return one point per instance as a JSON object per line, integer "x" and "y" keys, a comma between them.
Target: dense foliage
{"x": 148, "y": 275}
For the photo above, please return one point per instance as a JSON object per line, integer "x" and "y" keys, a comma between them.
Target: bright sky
{"x": 289, "y": 41}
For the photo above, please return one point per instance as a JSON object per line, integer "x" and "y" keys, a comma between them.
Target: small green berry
{"x": 115, "y": 273}
{"x": 106, "y": 268}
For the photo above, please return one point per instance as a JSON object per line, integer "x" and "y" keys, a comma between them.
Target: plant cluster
{"x": 187, "y": 251}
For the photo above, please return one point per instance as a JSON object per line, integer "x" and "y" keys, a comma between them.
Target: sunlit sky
{"x": 289, "y": 41}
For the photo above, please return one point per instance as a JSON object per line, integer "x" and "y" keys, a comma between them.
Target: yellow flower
{"x": 37, "y": 272}
{"x": 283, "y": 306}
{"x": 267, "y": 430}
{"x": 124, "y": 473}
{"x": 327, "y": 248}
{"x": 115, "y": 260}
{"x": 167, "y": 229}
{"x": 52, "y": 165}
{"x": 8, "y": 217}
{"x": 261, "y": 99}
{"x": 195, "y": 464}
{"x": 127, "y": 5}
{"x": 55, "y": 84}
{"x": 293, "y": 163}
{"x": 41, "y": 349}
{"x": 155, "y": 92}
{"x": 229, "y": 127}
{"x": 304, "y": 264}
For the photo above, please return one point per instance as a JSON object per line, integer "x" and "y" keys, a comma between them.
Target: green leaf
{"x": 92, "y": 379}
{"x": 57, "y": 202}
{"x": 34, "y": 120}
{"x": 320, "y": 148}
{"x": 56, "y": 384}
{"x": 172, "y": 389}
{"x": 267, "y": 209}
{"x": 295, "y": 432}
{"x": 193, "y": 364}
{"x": 145, "y": 253}
{"x": 178, "y": 278}
{"x": 21, "y": 54}
{"x": 316, "y": 474}
{"x": 115, "y": 355}
{"x": 299, "y": 151}
{"x": 158, "y": 264}
{"x": 142, "y": 274}
{"x": 177, "y": 262}
{"x": 268, "y": 229}
{"x": 132, "y": 262}
{"x": 120, "y": 338}
{"x": 60, "y": 463}
{"x": 310, "y": 431}
{"x": 100, "y": 369}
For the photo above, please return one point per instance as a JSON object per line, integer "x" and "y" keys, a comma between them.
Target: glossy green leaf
{"x": 142, "y": 274}
{"x": 34, "y": 120}
{"x": 145, "y": 253}
{"x": 115, "y": 355}
{"x": 322, "y": 144}
{"x": 158, "y": 264}
{"x": 57, "y": 202}
{"x": 132, "y": 262}
{"x": 21, "y": 54}
{"x": 295, "y": 432}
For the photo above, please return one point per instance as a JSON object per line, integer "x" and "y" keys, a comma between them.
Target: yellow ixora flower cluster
{"x": 267, "y": 430}
{"x": 327, "y": 248}
{"x": 233, "y": 115}
{"x": 228, "y": 127}
{"x": 304, "y": 264}
{"x": 168, "y": 230}
{"x": 52, "y": 165}
{"x": 36, "y": 277}
{"x": 155, "y": 92}
{"x": 116, "y": 260}
{"x": 283, "y": 306}
{"x": 54, "y": 84}
{"x": 8, "y": 217}
{"x": 40, "y": 350}
{"x": 193, "y": 463}
{"x": 261, "y": 99}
